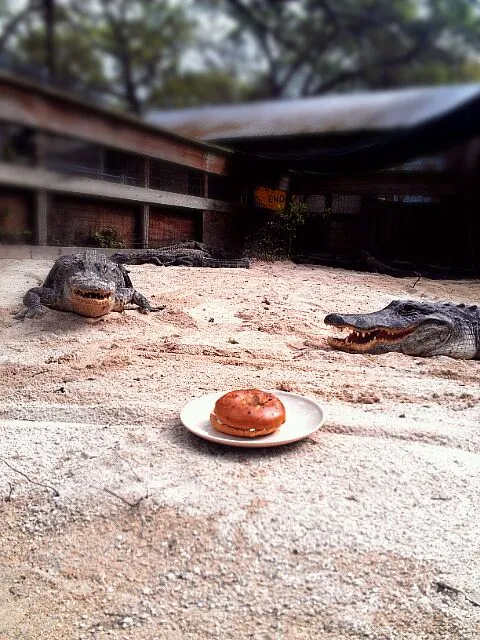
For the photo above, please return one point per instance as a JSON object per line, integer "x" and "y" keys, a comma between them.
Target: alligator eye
{"x": 407, "y": 308}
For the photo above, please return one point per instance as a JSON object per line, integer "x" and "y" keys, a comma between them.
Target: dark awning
{"x": 337, "y": 134}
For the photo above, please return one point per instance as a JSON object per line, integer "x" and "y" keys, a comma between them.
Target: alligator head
{"x": 411, "y": 327}
{"x": 90, "y": 285}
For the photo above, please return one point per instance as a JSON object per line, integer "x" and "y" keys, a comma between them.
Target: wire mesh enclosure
{"x": 166, "y": 176}
{"x": 169, "y": 227}
{"x": 88, "y": 222}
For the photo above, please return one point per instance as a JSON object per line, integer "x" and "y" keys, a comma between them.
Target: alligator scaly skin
{"x": 188, "y": 254}
{"x": 88, "y": 284}
{"x": 413, "y": 328}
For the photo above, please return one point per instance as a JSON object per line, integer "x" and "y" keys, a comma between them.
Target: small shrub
{"x": 22, "y": 237}
{"x": 12, "y": 237}
{"x": 274, "y": 239}
{"x": 106, "y": 239}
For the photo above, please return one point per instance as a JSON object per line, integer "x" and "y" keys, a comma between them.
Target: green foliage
{"x": 146, "y": 54}
{"x": 22, "y": 237}
{"x": 106, "y": 239}
{"x": 141, "y": 43}
{"x": 7, "y": 216}
{"x": 289, "y": 220}
{"x": 292, "y": 216}
{"x": 125, "y": 49}
{"x": 264, "y": 243}
{"x": 78, "y": 60}
{"x": 311, "y": 47}
{"x": 190, "y": 89}
{"x": 274, "y": 239}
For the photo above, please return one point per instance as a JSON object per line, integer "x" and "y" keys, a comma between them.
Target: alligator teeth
{"x": 366, "y": 340}
{"x": 95, "y": 295}
{"x": 357, "y": 336}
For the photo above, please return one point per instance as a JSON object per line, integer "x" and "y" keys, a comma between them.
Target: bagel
{"x": 248, "y": 413}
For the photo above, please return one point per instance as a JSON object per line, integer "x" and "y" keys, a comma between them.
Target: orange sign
{"x": 270, "y": 198}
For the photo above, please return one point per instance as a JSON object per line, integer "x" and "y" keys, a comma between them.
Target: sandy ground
{"x": 119, "y": 523}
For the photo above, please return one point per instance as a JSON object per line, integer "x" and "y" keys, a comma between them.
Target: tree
{"x": 144, "y": 54}
{"x": 51, "y": 43}
{"x": 310, "y": 47}
{"x": 13, "y": 20}
{"x": 140, "y": 42}
{"x": 125, "y": 49}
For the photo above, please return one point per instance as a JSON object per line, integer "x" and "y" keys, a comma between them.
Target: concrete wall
{"x": 34, "y": 252}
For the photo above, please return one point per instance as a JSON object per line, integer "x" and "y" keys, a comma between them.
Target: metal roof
{"x": 342, "y": 113}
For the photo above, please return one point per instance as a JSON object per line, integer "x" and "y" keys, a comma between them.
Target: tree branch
{"x": 39, "y": 484}
{"x": 122, "y": 54}
{"x": 12, "y": 26}
{"x": 360, "y": 73}
{"x": 124, "y": 500}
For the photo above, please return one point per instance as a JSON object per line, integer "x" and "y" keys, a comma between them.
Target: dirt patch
{"x": 119, "y": 523}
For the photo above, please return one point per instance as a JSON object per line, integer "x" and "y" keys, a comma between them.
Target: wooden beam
{"x": 41, "y": 208}
{"x": 381, "y": 183}
{"x": 146, "y": 171}
{"x": 49, "y": 110}
{"x": 31, "y": 178}
{"x": 144, "y": 225}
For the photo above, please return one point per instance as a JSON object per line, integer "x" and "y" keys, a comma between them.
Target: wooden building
{"x": 75, "y": 174}
{"x": 395, "y": 173}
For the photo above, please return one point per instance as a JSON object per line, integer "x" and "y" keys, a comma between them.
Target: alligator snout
{"x": 333, "y": 318}
{"x": 92, "y": 295}
{"x": 91, "y": 286}
{"x": 357, "y": 321}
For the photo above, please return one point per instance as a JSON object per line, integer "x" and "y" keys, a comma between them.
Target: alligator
{"x": 413, "y": 328}
{"x": 88, "y": 284}
{"x": 360, "y": 261}
{"x": 187, "y": 254}
{"x": 377, "y": 266}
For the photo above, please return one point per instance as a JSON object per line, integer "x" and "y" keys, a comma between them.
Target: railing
{"x": 96, "y": 174}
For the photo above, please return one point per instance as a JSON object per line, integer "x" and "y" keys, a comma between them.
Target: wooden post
{"x": 146, "y": 173}
{"x": 41, "y": 208}
{"x": 144, "y": 225}
{"x": 101, "y": 163}
{"x": 205, "y": 185}
{"x": 469, "y": 201}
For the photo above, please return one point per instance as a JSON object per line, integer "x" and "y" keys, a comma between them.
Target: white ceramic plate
{"x": 304, "y": 416}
